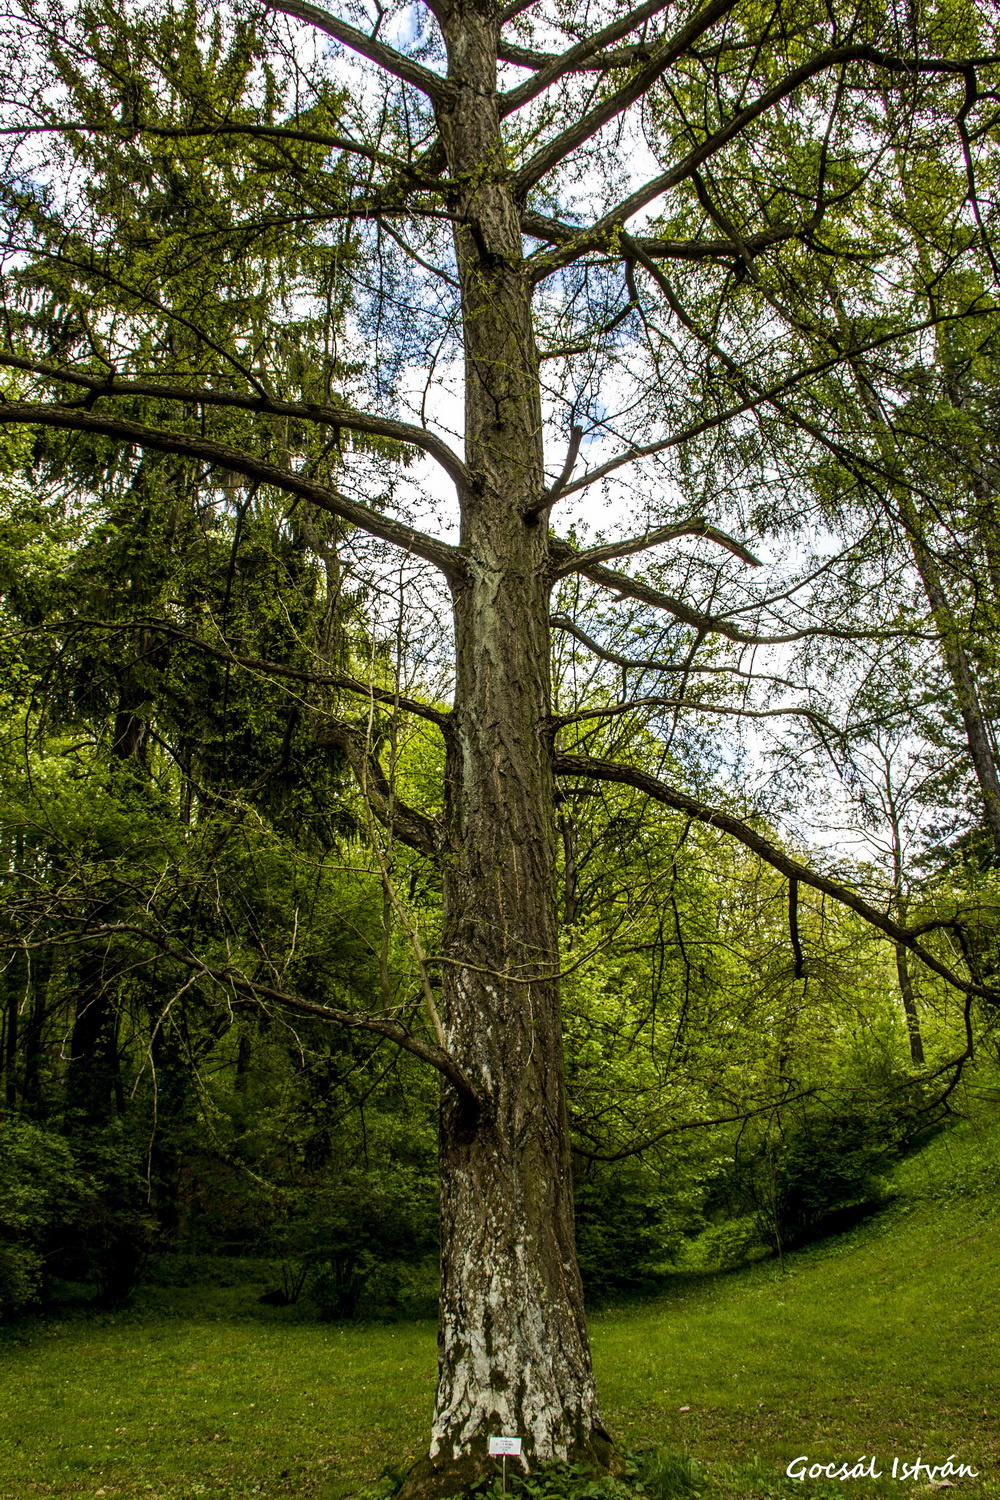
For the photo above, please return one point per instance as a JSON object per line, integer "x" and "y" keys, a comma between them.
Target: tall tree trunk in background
{"x": 953, "y": 650}
{"x": 93, "y": 1076}
{"x": 961, "y": 672}
{"x": 909, "y": 1004}
{"x": 15, "y": 984}
{"x": 32, "y": 1031}
{"x": 514, "y": 1354}
{"x": 903, "y": 973}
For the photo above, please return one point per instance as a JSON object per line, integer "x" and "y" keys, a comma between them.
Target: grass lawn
{"x": 884, "y": 1341}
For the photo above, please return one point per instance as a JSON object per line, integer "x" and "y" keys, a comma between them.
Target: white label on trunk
{"x": 505, "y": 1446}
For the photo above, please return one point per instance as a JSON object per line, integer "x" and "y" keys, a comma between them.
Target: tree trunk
{"x": 962, "y": 676}
{"x": 902, "y": 956}
{"x": 909, "y": 1006}
{"x": 513, "y": 1349}
{"x": 93, "y": 1075}
{"x": 16, "y": 986}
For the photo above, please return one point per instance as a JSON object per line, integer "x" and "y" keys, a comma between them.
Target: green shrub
{"x": 827, "y": 1175}
{"x": 556, "y": 1481}
{"x": 724, "y": 1246}
{"x": 351, "y": 1241}
{"x": 630, "y": 1229}
{"x": 820, "y": 1174}
{"x": 40, "y": 1188}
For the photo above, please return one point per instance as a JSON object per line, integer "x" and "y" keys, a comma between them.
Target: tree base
{"x": 428, "y": 1480}
{"x": 438, "y": 1480}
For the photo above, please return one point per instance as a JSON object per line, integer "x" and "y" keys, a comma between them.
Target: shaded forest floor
{"x": 884, "y": 1341}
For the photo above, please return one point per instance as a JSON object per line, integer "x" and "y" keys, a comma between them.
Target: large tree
{"x": 597, "y": 236}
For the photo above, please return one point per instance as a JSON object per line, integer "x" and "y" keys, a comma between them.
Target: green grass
{"x": 885, "y": 1340}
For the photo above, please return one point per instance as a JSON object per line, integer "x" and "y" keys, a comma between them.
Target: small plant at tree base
{"x": 663, "y": 1475}
{"x": 653, "y": 1472}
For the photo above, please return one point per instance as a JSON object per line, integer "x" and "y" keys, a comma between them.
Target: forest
{"x": 500, "y": 629}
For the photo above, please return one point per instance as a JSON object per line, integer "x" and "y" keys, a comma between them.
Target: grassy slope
{"x": 885, "y": 1341}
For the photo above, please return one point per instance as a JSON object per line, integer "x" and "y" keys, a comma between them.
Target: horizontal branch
{"x": 634, "y": 664}
{"x": 632, "y": 588}
{"x": 259, "y": 664}
{"x": 226, "y": 129}
{"x": 637, "y": 1147}
{"x": 630, "y": 705}
{"x": 596, "y": 62}
{"x": 793, "y": 869}
{"x": 449, "y": 559}
{"x": 345, "y": 417}
{"x": 432, "y": 84}
{"x": 393, "y": 1031}
{"x": 602, "y": 236}
{"x": 573, "y": 57}
{"x": 696, "y": 527}
{"x": 621, "y": 99}
{"x": 832, "y": 57}
{"x": 829, "y": 58}
{"x": 552, "y": 67}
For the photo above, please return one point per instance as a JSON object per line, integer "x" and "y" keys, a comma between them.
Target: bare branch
{"x": 589, "y": 124}
{"x": 660, "y": 1135}
{"x": 432, "y": 84}
{"x": 602, "y": 237}
{"x": 258, "y": 664}
{"x": 555, "y": 490}
{"x": 615, "y": 710}
{"x": 606, "y": 770}
{"x": 311, "y": 411}
{"x": 695, "y": 527}
{"x": 568, "y": 140}
{"x": 833, "y": 57}
{"x": 575, "y": 438}
{"x": 757, "y": 394}
{"x": 567, "y": 61}
{"x": 393, "y": 1031}
{"x": 409, "y": 826}
{"x": 449, "y": 559}
{"x": 598, "y": 62}
{"x": 631, "y": 664}
{"x": 632, "y": 588}
{"x": 225, "y": 129}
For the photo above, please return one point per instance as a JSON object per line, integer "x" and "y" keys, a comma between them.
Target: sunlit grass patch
{"x": 175, "y": 1407}
{"x": 882, "y": 1341}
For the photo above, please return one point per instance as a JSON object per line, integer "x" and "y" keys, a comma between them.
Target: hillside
{"x": 880, "y": 1341}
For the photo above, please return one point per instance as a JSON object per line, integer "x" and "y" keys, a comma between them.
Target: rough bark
{"x": 513, "y": 1348}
